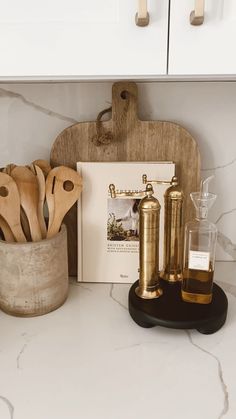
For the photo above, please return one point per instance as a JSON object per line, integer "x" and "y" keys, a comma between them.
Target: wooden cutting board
{"x": 130, "y": 140}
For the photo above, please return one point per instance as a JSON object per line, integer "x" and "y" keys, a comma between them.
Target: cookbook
{"x": 108, "y": 228}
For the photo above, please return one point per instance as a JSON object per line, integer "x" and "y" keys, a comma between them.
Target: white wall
{"x": 32, "y": 115}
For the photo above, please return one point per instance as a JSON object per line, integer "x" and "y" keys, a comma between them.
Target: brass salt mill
{"x": 149, "y": 221}
{"x": 173, "y": 231}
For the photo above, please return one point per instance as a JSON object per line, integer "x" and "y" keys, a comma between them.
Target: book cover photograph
{"x": 108, "y": 228}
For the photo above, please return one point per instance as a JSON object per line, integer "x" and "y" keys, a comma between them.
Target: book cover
{"x": 108, "y": 228}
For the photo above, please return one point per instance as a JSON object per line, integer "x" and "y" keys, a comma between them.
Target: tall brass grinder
{"x": 173, "y": 233}
{"x": 149, "y": 221}
{"x": 173, "y": 230}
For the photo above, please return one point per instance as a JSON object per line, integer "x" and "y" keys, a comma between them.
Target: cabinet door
{"x": 206, "y": 49}
{"x": 81, "y": 39}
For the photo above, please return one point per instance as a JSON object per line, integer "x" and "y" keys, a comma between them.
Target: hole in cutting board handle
{"x": 68, "y": 185}
{"x": 124, "y": 94}
{"x": 4, "y": 191}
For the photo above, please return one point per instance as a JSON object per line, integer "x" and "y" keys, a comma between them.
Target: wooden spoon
{"x": 42, "y": 190}
{"x": 8, "y": 169}
{"x": 50, "y": 196}
{"x": 8, "y": 235}
{"x": 10, "y": 206}
{"x": 63, "y": 188}
{"x": 44, "y": 166}
{"x": 25, "y": 225}
{"x": 29, "y": 197}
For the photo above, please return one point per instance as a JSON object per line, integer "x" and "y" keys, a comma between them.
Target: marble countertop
{"x": 89, "y": 360}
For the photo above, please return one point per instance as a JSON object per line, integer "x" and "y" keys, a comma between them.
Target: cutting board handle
{"x": 124, "y": 102}
{"x": 124, "y": 113}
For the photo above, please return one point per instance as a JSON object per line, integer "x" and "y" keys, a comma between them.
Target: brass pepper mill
{"x": 149, "y": 220}
{"x": 173, "y": 231}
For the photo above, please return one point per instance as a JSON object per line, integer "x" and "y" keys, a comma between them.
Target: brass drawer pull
{"x": 142, "y": 16}
{"x": 197, "y": 15}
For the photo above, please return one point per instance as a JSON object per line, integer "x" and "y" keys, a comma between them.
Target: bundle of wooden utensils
{"x": 34, "y": 200}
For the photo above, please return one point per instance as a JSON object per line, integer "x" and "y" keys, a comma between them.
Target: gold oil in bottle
{"x": 199, "y": 250}
{"x": 149, "y": 220}
{"x": 173, "y": 233}
{"x": 198, "y": 285}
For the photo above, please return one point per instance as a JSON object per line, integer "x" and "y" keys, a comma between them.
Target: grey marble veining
{"x": 49, "y": 112}
{"x": 224, "y": 214}
{"x": 227, "y": 245}
{"x": 20, "y": 354}
{"x": 115, "y": 299}
{"x": 225, "y": 407}
{"x": 79, "y": 284}
{"x": 9, "y": 406}
{"x": 223, "y": 166}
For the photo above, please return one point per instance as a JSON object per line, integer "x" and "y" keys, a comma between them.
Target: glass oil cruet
{"x": 199, "y": 249}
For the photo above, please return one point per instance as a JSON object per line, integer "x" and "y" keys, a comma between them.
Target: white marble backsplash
{"x": 32, "y": 115}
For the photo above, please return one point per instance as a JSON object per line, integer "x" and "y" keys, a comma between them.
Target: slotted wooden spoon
{"x": 10, "y": 206}
{"x": 27, "y": 184}
{"x": 63, "y": 189}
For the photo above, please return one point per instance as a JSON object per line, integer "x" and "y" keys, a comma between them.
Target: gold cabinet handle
{"x": 197, "y": 15}
{"x": 142, "y": 16}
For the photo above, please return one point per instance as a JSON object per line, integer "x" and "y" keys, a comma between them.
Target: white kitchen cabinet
{"x": 208, "y": 49}
{"x": 76, "y": 39}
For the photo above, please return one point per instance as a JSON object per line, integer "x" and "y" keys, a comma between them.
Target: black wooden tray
{"x": 170, "y": 311}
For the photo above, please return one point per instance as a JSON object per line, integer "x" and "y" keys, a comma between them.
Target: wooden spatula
{"x": 42, "y": 190}
{"x": 7, "y": 233}
{"x": 29, "y": 197}
{"x": 10, "y": 206}
{"x": 63, "y": 189}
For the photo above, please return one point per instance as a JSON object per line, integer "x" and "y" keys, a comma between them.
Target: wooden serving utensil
{"x": 7, "y": 233}
{"x": 8, "y": 169}
{"x": 25, "y": 225}
{"x": 50, "y": 181}
{"x": 27, "y": 184}
{"x": 42, "y": 190}
{"x": 10, "y": 206}
{"x": 44, "y": 166}
{"x": 63, "y": 189}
